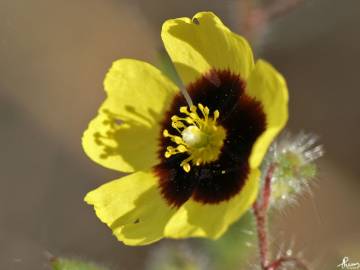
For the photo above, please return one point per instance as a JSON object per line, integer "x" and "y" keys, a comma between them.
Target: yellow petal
{"x": 138, "y": 94}
{"x": 132, "y": 207}
{"x": 198, "y": 220}
{"x": 137, "y": 91}
{"x": 204, "y": 42}
{"x": 268, "y": 86}
{"x": 125, "y": 147}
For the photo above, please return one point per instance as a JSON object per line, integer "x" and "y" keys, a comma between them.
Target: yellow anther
{"x": 166, "y": 133}
{"x": 206, "y": 110}
{"x": 175, "y": 118}
{"x": 183, "y": 109}
{"x": 216, "y": 115}
{"x": 177, "y": 139}
{"x": 189, "y": 120}
{"x": 178, "y": 125}
{"x": 193, "y": 108}
{"x": 182, "y": 148}
{"x": 194, "y": 116}
{"x": 186, "y": 167}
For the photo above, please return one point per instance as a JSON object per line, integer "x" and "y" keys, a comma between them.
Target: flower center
{"x": 199, "y": 135}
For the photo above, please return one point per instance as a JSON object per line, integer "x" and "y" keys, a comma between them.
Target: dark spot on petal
{"x": 196, "y": 21}
{"x": 244, "y": 121}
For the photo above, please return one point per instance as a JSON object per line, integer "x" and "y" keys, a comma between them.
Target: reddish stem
{"x": 262, "y": 235}
{"x": 260, "y": 212}
{"x": 267, "y": 188}
{"x": 260, "y": 209}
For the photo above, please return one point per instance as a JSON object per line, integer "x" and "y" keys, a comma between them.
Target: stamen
{"x": 186, "y": 167}
{"x": 201, "y": 137}
{"x": 216, "y": 115}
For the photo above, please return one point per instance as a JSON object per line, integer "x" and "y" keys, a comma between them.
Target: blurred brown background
{"x": 53, "y": 57}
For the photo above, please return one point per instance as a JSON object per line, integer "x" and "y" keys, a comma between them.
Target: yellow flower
{"x": 195, "y": 168}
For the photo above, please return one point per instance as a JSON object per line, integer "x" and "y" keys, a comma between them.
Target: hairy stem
{"x": 260, "y": 211}
{"x": 262, "y": 236}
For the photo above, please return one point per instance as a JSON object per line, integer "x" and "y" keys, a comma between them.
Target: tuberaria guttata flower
{"x": 194, "y": 167}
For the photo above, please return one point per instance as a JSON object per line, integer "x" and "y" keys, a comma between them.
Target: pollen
{"x": 198, "y": 134}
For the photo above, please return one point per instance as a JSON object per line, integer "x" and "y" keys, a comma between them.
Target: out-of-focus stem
{"x": 280, "y": 8}
{"x": 256, "y": 17}
{"x": 246, "y": 10}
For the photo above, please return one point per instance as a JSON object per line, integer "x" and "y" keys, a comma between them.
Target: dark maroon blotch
{"x": 244, "y": 121}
